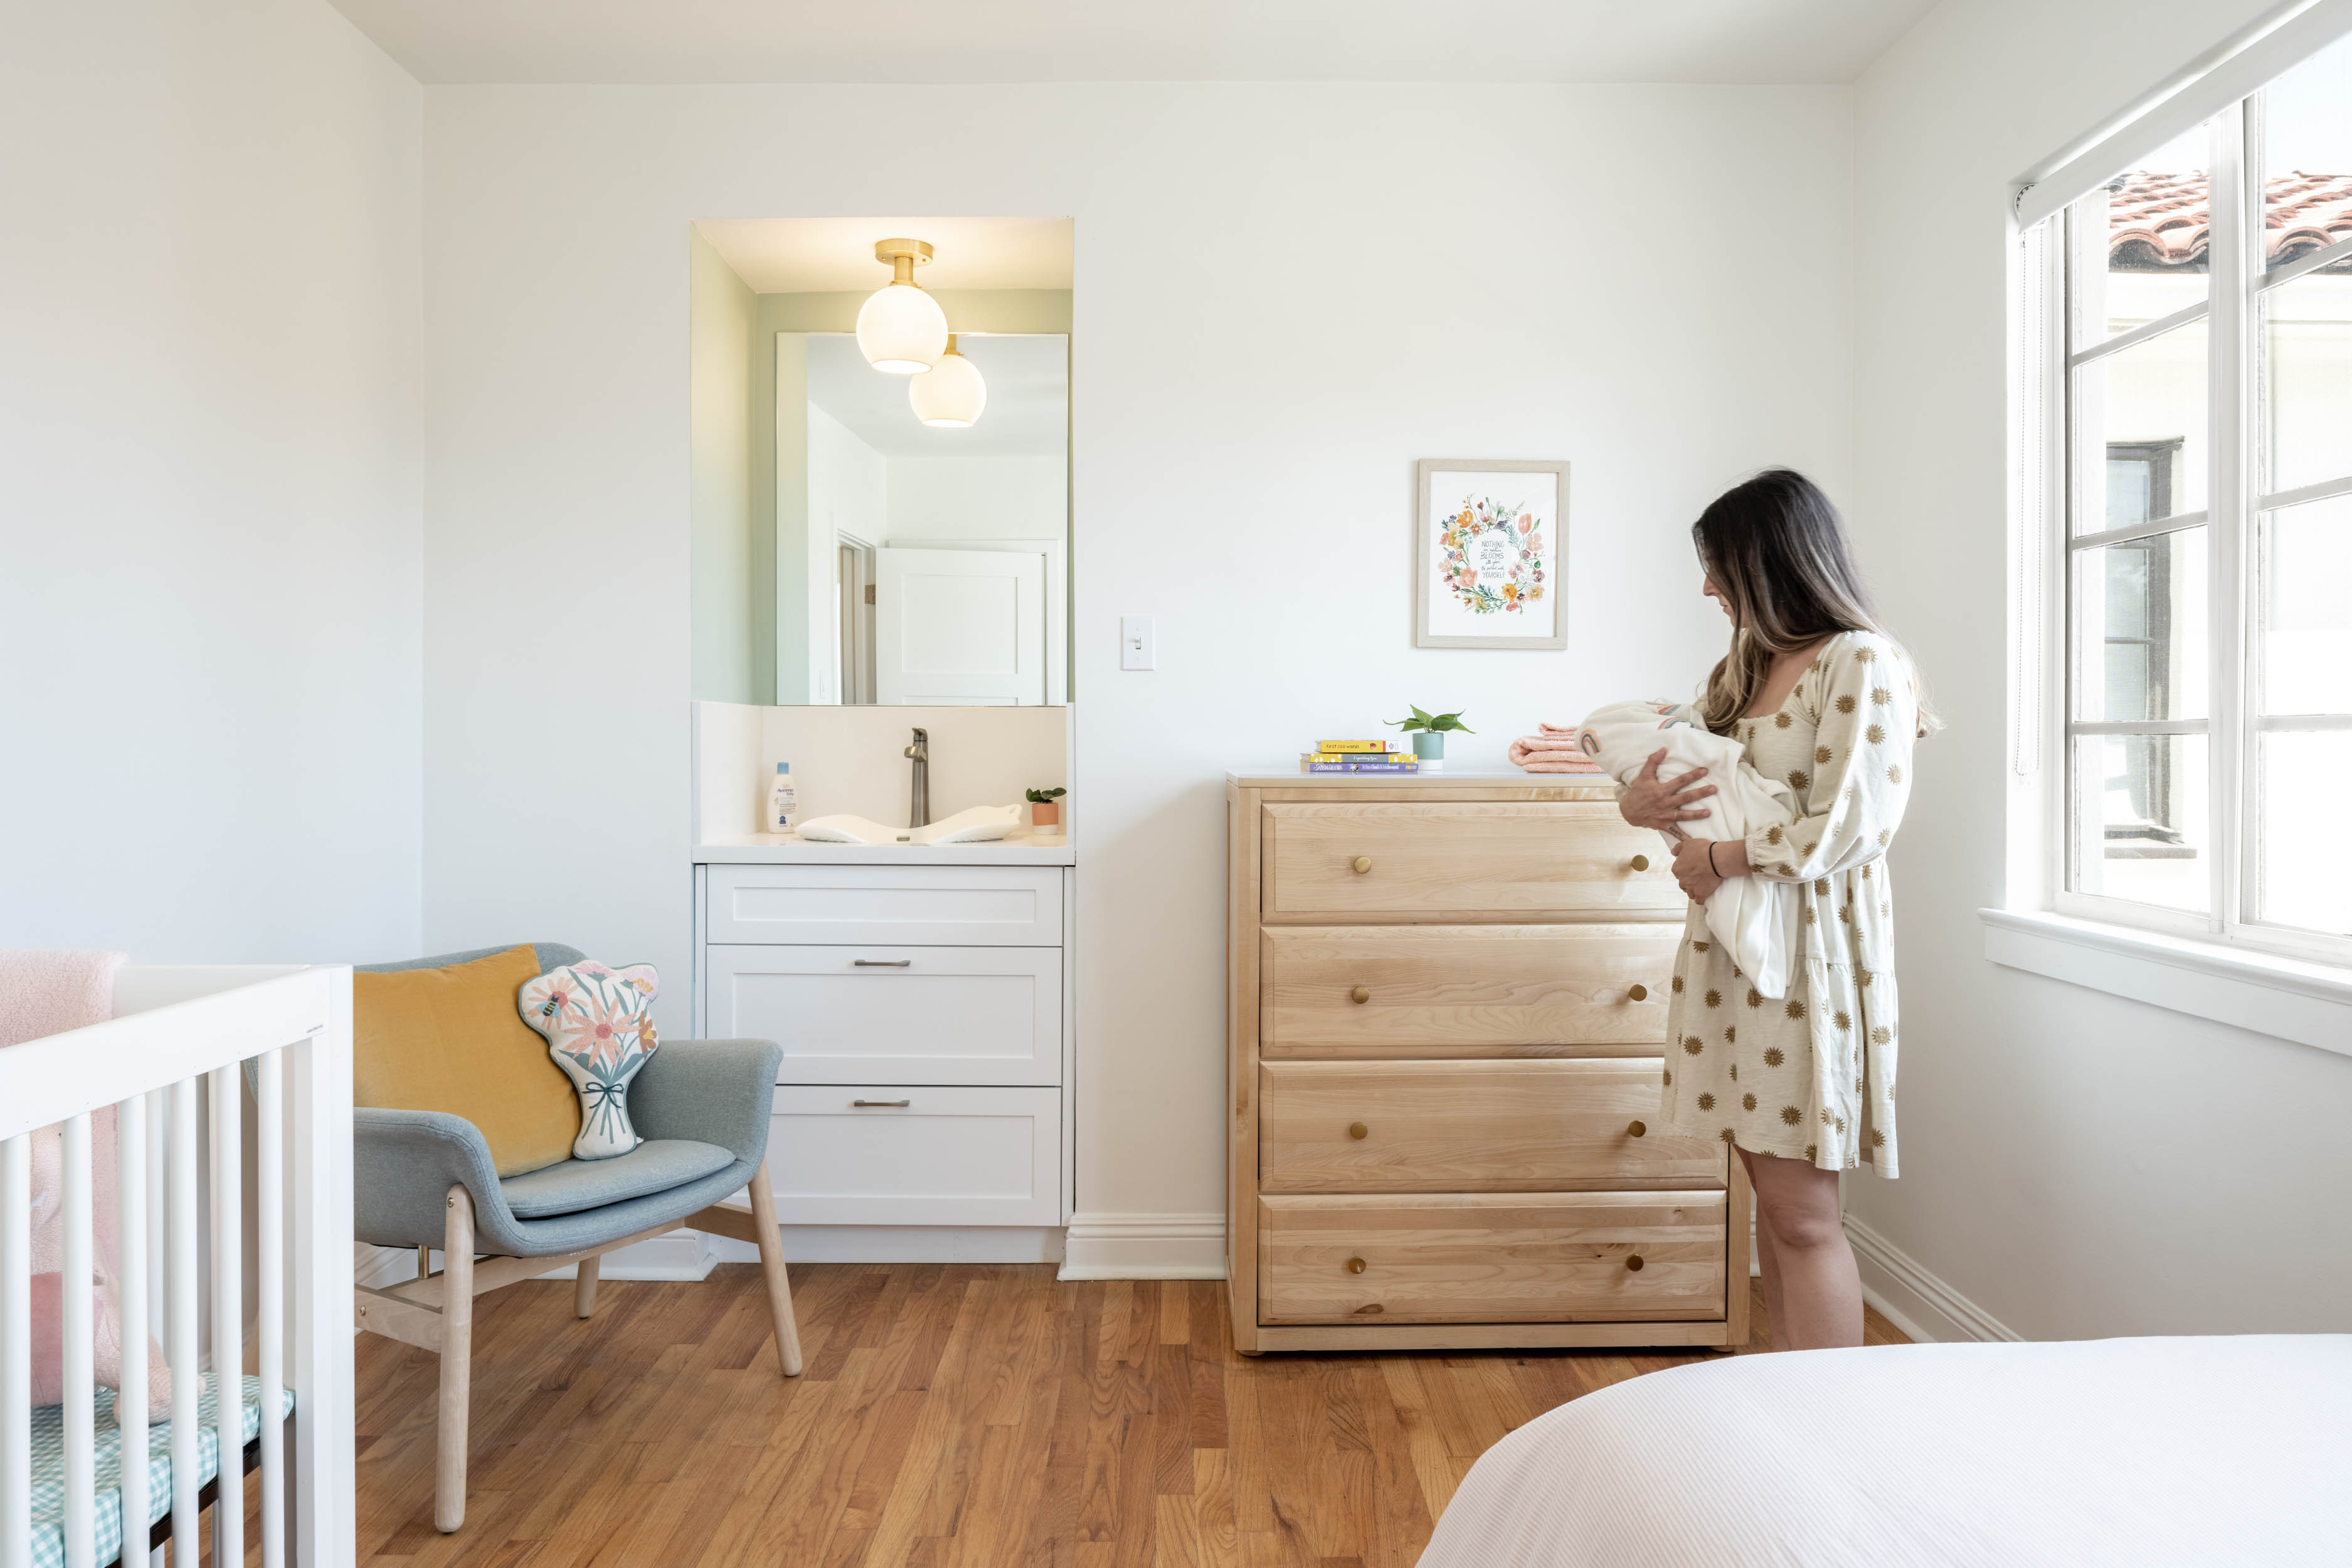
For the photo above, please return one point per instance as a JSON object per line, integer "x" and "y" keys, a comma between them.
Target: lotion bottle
{"x": 784, "y": 803}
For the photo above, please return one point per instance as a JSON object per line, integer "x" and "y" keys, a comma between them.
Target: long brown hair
{"x": 1778, "y": 549}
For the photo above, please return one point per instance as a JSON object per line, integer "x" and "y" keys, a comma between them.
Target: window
{"x": 2199, "y": 367}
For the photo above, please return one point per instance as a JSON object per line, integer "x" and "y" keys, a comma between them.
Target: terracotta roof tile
{"x": 2158, "y": 223}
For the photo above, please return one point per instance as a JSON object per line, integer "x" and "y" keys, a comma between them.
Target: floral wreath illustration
{"x": 1521, "y": 581}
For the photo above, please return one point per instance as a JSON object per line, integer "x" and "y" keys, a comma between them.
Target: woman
{"x": 1819, "y": 696}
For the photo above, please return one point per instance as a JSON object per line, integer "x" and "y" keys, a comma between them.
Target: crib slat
{"x": 180, "y": 1193}
{"x": 270, "y": 1247}
{"x": 75, "y": 1323}
{"x": 131, "y": 1397}
{"x": 16, "y": 1353}
{"x": 228, "y": 1312}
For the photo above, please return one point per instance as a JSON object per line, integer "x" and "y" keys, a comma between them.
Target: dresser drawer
{"x": 946, "y": 1156}
{"x": 1462, "y": 1127}
{"x": 1460, "y": 860}
{"x": 1494, "y": 1257}
{"x": 1438, "y": 991}
{"x": 963, "y": 906}
{"x": 894, "y": 1015}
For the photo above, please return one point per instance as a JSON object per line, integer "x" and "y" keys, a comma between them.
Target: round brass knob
{"x": 1640, "y": 862}
{"x": 1355, "y": 1266}
{"x": 1359, "y": 995}
{"x": 1634, "y": 1263}
{"x": 1363, "y": 863}
{"x": 1358, "y": 1130}
{"x": 1638, "y": 993}
{"x": 1636, "y": 1128}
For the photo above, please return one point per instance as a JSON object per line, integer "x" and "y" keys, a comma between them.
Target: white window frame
{"x": 2110, "y": 943}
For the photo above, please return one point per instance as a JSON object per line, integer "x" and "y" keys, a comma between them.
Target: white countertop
{"x": 1277, "y": 776}
{"x": 1021, "y": 848}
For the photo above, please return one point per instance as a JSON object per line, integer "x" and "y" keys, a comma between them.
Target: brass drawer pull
{"x": 880, "y": 962}
{"x": 1363, "y": 863}
{"x": 1634, "y": 1263}
{"x": 1359, "y": 995}
{"x": 901, "y": 1103}
{"x": 1638, "y": 993}
{"x": 1355, "y": 1266}
{"x": 1640, "y": 862}
{"x": 1636, "y": 1128}
{"x": 1358, "y": 1130}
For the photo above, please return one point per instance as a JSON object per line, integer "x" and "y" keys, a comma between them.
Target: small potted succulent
{"x": 1045, "y": 809}
{"x": 1428, "y": 733}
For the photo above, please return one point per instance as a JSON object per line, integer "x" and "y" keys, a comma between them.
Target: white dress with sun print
{"x": 1811, "y": 1076}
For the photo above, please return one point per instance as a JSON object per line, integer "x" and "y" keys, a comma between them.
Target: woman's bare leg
{"x": 1812, "y": 1287}
{"x": 1775, "y": 1322}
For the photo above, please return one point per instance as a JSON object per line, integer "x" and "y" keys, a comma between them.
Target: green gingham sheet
{"x": 50, "y": 1468}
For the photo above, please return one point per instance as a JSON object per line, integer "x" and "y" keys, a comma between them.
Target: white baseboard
{"x": 375, "y": 1268}
{"x": 904, "y": 1244}
{"x": 1914, "y": 1299}
{"x": 1146, "y": 1246}
{"x": 680, "y": 1255}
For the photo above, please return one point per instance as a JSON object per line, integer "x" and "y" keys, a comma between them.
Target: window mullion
{"x": 2230, "y": 487}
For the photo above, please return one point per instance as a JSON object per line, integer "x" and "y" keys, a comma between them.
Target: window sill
{"x": 2290, "y": 998}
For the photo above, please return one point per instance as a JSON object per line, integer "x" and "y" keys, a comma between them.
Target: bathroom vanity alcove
{"x": 921, "y": 994}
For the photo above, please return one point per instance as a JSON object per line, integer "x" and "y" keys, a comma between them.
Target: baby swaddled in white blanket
{"x": 1754, "y": 917}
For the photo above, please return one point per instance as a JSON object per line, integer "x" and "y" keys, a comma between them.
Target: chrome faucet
{"x": 919, "y": 808}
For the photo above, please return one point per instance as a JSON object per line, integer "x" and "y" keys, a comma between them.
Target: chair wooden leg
{"x": 457, "y": 1361}
{"x": 771, "y": 1259}
{"x": 583, "y": 1287}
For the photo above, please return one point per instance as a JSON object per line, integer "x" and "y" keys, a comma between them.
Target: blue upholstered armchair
{"x": 425, "y": 1179}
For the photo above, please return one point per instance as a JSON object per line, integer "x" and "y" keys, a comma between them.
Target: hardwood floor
{"x": 949, "y": 1416}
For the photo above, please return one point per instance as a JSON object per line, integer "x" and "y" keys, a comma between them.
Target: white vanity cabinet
{"x": 924, "y": 1012}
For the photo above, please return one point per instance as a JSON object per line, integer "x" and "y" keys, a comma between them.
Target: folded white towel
{"x": 1754, "y": 917}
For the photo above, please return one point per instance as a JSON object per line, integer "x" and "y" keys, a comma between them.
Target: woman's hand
{"x": 1665, "y": 806}
{"x": 1693, "y": 870}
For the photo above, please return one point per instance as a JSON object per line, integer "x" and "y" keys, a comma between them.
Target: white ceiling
{"x": 1028, "y": 412}
{"x": 816, "y": 255}
{"x": 1122, "y": 41}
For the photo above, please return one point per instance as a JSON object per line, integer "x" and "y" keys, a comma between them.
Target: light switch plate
{"x": 1137, "y": 645}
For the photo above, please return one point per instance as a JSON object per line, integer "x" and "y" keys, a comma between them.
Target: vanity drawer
{"x": 1475, "y": 1257}
{"x": 965, "y": 906}
{"x": 894, "y": 1015}
{"x": 916, "y": 1156}
{"x": 1439, "y": 991}
{"x": 1460, "y": 860}
{"x": 1464, "y": 1127}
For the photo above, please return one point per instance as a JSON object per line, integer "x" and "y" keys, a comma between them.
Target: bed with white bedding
{"x": 2141, "y": 1452}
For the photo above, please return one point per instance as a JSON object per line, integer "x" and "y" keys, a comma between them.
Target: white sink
{"x": 981, "y": 824}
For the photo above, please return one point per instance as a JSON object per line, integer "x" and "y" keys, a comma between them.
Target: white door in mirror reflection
{"x": 959, "y": 627}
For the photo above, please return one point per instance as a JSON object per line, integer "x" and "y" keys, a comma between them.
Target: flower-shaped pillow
{"x": 594, "y": 1020}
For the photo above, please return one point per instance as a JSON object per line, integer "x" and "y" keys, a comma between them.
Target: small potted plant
{"x": 1428, "y": 733}
{"x": 1045, "y": 809}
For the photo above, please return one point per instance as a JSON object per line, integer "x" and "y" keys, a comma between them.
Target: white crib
{"x": 181, "y": 1037}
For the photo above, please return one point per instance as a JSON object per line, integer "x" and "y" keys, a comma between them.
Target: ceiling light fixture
{"x": 900, "y": 329}
{"x": 950, "y": 395}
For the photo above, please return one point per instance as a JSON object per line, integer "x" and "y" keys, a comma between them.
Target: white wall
{"x": 979, "y": 498}
{"x": 210, "y": 483}
{"x": 1287, "y": 294}
{"x": 848, "y": 490}
{"x": 725, "y": 657}
{"x": 2074, "y": 1164}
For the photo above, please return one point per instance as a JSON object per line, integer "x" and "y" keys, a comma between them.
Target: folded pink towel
{"x": 51, "y": 992}
{"x": 1554, "y": 751}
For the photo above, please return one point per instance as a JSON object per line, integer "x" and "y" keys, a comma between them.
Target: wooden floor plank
{"x": 951, "y": 1416}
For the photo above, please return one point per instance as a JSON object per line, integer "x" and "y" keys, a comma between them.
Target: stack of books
{"x": 1357, "y": 757}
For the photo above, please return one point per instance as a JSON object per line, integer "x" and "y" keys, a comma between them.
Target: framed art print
{"x": 1490, "y": 547}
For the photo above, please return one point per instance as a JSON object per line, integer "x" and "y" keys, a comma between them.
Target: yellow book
{"x": 1352, "y": 745}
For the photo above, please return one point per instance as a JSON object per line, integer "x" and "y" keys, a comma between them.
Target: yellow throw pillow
{"x": 450, "y": 1039}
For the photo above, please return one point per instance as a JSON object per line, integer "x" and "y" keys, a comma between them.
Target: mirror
{"x": 935, "y": 559}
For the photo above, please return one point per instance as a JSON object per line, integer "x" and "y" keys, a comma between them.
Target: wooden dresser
{"x": 1447, "y": 1013}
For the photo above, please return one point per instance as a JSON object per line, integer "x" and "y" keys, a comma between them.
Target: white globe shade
{"x": 951, "y": 394}
{"x": 902, "y": 329}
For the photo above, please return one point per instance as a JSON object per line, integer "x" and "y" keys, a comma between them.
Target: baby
{"x": 1755, "y": 919}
